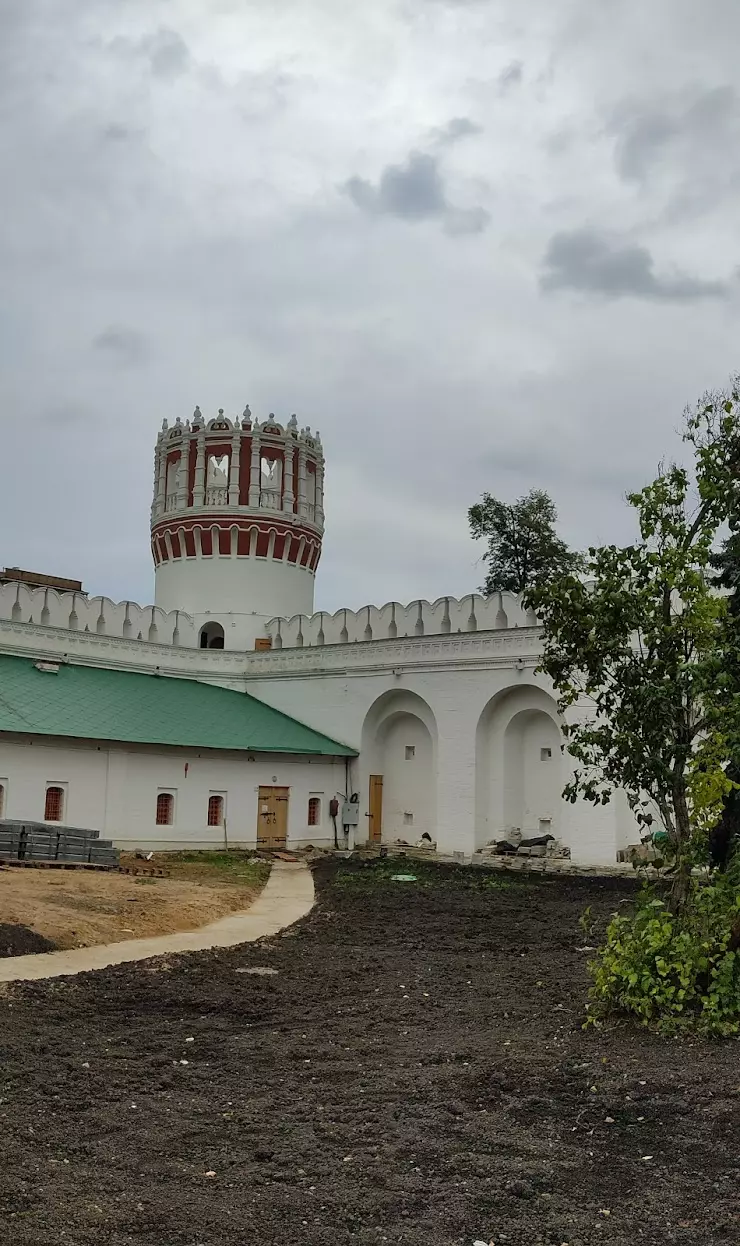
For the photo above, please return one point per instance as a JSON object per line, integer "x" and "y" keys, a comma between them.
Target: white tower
{"x": 237, "y": 522}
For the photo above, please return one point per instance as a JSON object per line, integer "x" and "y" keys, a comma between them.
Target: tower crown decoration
{"x": 236, "y": 489}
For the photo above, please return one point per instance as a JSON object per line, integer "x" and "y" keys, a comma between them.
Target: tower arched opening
{"x": 211, "y": 636}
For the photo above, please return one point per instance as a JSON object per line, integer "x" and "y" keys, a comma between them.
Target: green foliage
{"x": 586, "y": 922}
{"x": 674, "y": 971}
{"x": 523, "y": 547}
{"x": 643, "y": 648}
{"x": 232, "y": 866}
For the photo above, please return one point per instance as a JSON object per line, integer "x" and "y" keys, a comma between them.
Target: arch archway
{"x": 211, "y": 636}
{"x": 519, "y": 770}
{"x": 399, "y": 744}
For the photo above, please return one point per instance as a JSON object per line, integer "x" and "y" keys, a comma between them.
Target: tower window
{"x": 54, "y": 804}
{"x": 410, "y": 751}
{"x": 545, "y": 754}
{"x": 314, "y": 810}
{"x": 215, "y": 810}
{"x": 211, "y": 636}
{"x": 165, "y": 809}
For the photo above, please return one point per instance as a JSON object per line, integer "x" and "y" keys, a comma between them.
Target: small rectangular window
{"x": 410, "y": 751}
{"x": 408, "y": 819}
{"x": 3, "y": 793}
{"x": 215, "y": 810}
{"x": 54, "y": 804}
{"x": 314, "y": 810}
{"x": 545, "y": 754}
{"x": 165, "y": 809}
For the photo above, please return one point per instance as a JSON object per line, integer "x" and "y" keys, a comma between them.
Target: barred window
{"x": 314, "y": 811}
{"x": 165, "y": 808}
{"x": 215, "y": 811}
{"x": 54, "y": 806}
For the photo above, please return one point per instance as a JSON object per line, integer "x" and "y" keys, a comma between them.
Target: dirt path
{"x": 413, "y": 1073}
{"x": 78, "y": 908}
{"x": 286, "y": 897}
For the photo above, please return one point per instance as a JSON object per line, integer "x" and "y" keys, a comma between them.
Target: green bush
{"x": 674, "y": 972}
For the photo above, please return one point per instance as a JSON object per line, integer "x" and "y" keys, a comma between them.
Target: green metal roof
{"x": 91, "y": 703}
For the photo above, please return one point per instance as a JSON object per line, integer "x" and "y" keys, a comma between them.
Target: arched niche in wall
{"x": 399, "y": 742}
{"x": 519, "y": 768}
{"x": 211, "y": 636}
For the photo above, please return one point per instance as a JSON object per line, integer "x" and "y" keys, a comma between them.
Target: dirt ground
{"x": 414, "y": 1072}
{"x": 78, "y": 908}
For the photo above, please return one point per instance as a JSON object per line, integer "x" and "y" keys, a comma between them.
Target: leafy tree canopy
{"x": 639, "y": 653}
{"x": 523, "y": 547}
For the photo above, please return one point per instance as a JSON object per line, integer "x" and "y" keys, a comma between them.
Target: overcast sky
{"x": 481, "y": 244}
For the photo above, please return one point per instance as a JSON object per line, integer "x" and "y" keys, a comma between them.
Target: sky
{"x": 479, "y": 244}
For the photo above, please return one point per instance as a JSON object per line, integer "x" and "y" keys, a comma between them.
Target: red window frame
{"x": 215, "y": 810}
{"x": 54, "y": 804}
{"x": 165, "y": 809}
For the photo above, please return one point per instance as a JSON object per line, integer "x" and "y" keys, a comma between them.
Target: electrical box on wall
{"x": 350, "y": 813}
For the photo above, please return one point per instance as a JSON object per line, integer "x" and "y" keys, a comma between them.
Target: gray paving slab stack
{"x": 38, "y": 841}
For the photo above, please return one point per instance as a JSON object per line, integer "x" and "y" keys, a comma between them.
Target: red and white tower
{"x": 237, "y": 522}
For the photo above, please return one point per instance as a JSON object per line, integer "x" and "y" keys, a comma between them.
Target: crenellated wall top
{"x": 75, "y": 612}
{"x": 445, "y": 616}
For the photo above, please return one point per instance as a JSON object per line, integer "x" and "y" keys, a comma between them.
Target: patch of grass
{"x": 230, "y": 867}
{"x": 431, "y": 874}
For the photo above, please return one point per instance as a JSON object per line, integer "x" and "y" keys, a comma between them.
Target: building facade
{"x": 439, "y": 721}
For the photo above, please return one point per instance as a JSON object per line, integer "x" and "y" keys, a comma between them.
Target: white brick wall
{"x": 114, "y": 790}
{"x": 348, "y": 690}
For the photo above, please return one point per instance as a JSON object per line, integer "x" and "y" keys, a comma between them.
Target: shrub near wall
{"x": 674, "y": 971}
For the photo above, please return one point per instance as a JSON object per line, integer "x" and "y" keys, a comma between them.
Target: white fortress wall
{"x": 467, "y": 703}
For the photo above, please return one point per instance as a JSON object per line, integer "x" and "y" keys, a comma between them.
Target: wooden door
{"x": 375, "y": 823}
{"x": 272, "y": 817}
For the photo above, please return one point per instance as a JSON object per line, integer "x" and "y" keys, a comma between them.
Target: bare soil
{"x": 415, "y": 1072}
{"x": 79, "y": 908}
{"x": 20, "y": 941}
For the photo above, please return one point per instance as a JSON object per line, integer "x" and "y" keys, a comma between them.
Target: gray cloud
{"x": 592, "y": 263}
{"x": 414, "y": 191}
{"x": 115, "y": 132}
{"x": 511, "y": 76}
{"x": 456, "y": 128}
{"x": 122, "y": 346}
{"x": 647, "y": 132}
{"x": 164, "y": 50}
